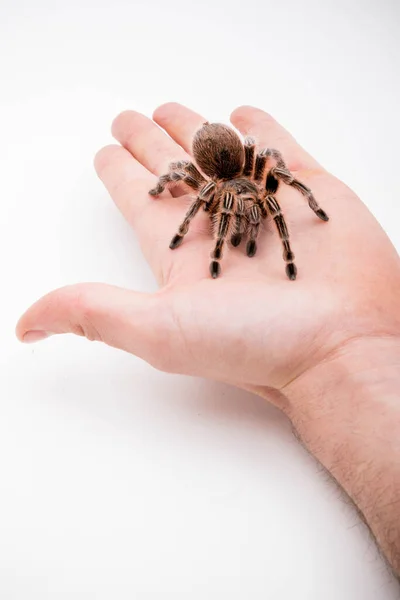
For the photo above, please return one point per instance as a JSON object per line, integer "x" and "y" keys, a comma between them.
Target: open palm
{"x": 252, "y": 326}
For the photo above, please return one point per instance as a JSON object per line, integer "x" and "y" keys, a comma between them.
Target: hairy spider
{"x": 239, "y": 191}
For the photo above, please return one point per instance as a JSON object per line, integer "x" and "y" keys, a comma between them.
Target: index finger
{"x": 128, "y": 183}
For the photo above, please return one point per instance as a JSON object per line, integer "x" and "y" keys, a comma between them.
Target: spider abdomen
{"x": 238, "y": 191}
{"x": 218, "y": 151}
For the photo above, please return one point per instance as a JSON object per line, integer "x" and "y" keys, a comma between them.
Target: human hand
{"x": 252, "y": 327}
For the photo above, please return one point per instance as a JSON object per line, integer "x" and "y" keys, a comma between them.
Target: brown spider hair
{"x": 218, "y": 151}
{"x": 239, "y": 194}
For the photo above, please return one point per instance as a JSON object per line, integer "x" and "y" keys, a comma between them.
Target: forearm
{"x": 347, "y": 413}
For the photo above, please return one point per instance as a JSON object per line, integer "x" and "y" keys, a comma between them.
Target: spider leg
{"x": 211, "y": 202}
{"x": 179, "y": 171}
{"x": 260, "y": 166}
{"x": 280, "y": 172}
{"x": 274, "y": 209}
{"x": 240, "y": 227}
{"x": 254, "y": 218}
{"x": 249, "y": 153}
{"x": 191, "y": 213}
{"x": 224, "y": 226}
{"x": 286, "y": 176}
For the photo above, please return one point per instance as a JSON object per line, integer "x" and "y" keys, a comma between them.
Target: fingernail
{"x": 35, "y": 336}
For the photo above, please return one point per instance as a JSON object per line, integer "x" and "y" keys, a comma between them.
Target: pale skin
{"x": 325, "y": 348}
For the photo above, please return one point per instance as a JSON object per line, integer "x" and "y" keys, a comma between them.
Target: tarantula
{"x": 239, "y": 192}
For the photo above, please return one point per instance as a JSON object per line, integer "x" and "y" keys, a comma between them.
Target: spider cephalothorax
{"x": 238, "y": 191}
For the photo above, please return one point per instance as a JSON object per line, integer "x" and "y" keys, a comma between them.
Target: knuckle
{"x": 166, "y": 342}
{"x": 83, "y": 320}
{"x": 164, "y": 362}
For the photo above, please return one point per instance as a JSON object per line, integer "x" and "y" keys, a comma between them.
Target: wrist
{"x": 363, "y": 373}
{"x": 347, "y": 413}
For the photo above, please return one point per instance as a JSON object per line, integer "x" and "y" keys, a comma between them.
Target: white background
{"x": 116, "y": 481}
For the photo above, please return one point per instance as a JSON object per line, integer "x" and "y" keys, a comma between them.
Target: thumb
{"x": 132, "y": 321}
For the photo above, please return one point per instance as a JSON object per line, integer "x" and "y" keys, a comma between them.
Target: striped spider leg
{"x": 273, "y": 208}
{"x": 182, "y": 170}
{"x": 280, "y": 172}
{"x": 205, "y": 196}
{"x": 228, "y": 214}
